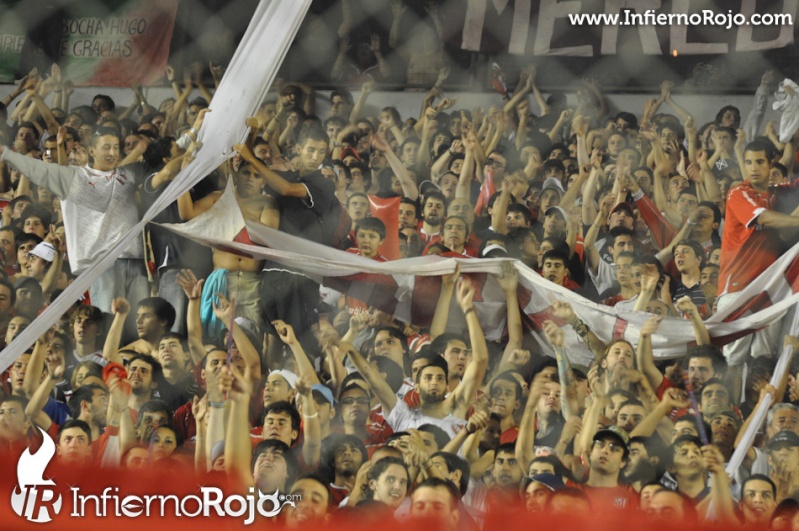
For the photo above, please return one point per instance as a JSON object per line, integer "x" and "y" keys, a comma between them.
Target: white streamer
{"x": 246, "y": 82}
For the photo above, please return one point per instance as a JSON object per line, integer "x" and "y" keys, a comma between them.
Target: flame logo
{"x": 36, "y": 505}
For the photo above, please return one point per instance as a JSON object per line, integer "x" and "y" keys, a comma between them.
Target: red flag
{"x": 387, "y": 211}
{"x": 486, "y": 191}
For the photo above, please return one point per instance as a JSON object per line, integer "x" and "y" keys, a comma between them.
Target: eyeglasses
{"x": 613, "y": 446}
{"x": 351, "y": 401}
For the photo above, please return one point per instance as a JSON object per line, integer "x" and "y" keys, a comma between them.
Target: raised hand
{"x": 285, "y": 332}
{"x": 651, "y": 325}
{"x": 223, "y": 310}
{"x": 192, "y": 287}
{"x": 465, "y": 293}
{"x": 554, "y": 334}
{"x": 120, "y": 305}
{"x": 509, "y": 278}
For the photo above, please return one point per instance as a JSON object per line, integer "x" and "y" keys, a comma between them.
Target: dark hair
{"x": 759, "y": 477}
{"x": 287, "y": 408}
{"x": 720, "y": 114}
{"x": 371, "y": 223}
{"x": 761, "y": 144}
{"x": 507, "y": 376}
{"x": 523, "y": 210}
{"x": 155, "y": 366}
{"x": 395, "y": 333}
{"x": 162, "y": 309}
{"x": 346, "y": 95}
{"x": 674, "y": 126}
{"x": 154, "y": 406}
{"x": 711, "y": 352}
{"x": 13, "y": 292}
{"x": 439, "y": 435}
{"x": 158, "y": 150}
{"x": 312, "y": 133}
{"x": 698, "y": 250}
{"x": 413, "y": 202}
{"x": 507, "y": 448}
{"x": 615, "y": 232}
{"x": 381, "y": 466}
{"x": 37, "y": 210}
{"x": 455, "y": 462}
{"x": 629, "y": 118}
{"x": 199, "y": 101}
{"x": 439, "y": 362}
{"x": 74, "y": 423}
{"x": 107, "y": 99}
{"x": 454, "y": 492}
{"x": 337, "y": 440}
{"x": 394, "y": 373}
{"x": 84, "y": 393}
{"x": 439, "y": 344}
{"x": 292, "y": 466}
{"x": 556, "y": 254}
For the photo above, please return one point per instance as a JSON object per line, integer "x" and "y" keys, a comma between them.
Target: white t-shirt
{"x": 404, "y": 418}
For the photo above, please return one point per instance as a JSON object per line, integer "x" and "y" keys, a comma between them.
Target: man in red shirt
{"x": 749, "y": 245}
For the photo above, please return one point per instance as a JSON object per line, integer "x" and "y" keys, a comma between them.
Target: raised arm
{"x": 193, "y": 289}
{"x": 120, "y": 307}
{"x": 377, "y": 384}
{"x": 568, "y": 396}
{"x": 464, "y": 393}
{"x": 223, "y": 310}
{"x": 277, "y": 183}
{"x": 304, "y": 365}
{"x": 54, "y": 371}
{"x": 409, "y": 188}
{"x": 311, "y": 428}
{"x": 441, "y": 315}
{"x": 238, "y": 449}
{"x": 525, "y": 441}
{"x": 643, "y": 354}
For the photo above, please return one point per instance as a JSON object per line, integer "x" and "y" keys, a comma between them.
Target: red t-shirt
{"x": 747, "y": 248}
{"x": 509, "y": 436}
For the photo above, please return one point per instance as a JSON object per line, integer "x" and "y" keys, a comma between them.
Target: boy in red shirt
{"x": 369, "y": 236}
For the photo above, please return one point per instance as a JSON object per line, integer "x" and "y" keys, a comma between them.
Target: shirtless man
{"x": 241, "y": 274}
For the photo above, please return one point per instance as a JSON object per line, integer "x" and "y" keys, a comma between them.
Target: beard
{"x": 431, "y": 398}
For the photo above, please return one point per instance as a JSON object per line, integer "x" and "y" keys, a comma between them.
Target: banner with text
{"x": 119, "y": 44}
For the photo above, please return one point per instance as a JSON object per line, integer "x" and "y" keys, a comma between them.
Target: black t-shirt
{"x": 306, "y": 216}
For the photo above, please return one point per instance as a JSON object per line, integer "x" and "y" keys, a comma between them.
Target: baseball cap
{"x": 554, "y": 184}
{"x": 44, "y": 250}
{"x": 783, "y": 438}
{"x": 217, "y": 450}
{"x": 559, "y": 210}
{"x": 352, "y": 386}
{"x": 27, "y": 282}
{"x": 616, "y": 433}
{"x": 623, "y": 206}
{"x": 348, "y": 151}
{"x": 551, "y": 481}
{"x": 289, "y": 376}
{"x": 324, "y": 391}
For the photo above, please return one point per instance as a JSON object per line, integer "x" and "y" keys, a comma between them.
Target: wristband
{"x": 311, "y": 416}
{"x": 217, "y": 405}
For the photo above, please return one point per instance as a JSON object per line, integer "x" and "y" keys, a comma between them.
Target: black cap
{"x": 783, "y": 438}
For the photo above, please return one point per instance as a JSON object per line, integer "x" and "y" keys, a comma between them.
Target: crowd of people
{"x": 182, "y": 356}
